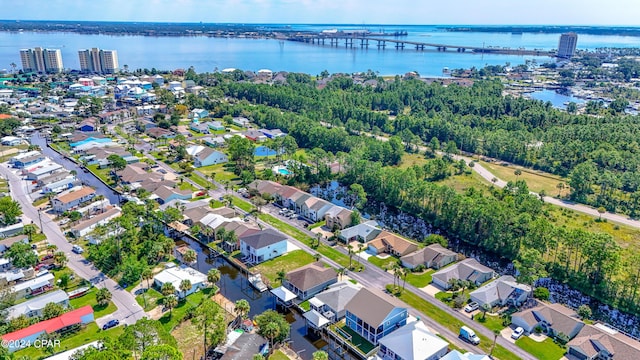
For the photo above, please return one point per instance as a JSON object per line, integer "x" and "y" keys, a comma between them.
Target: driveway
{"x": 128, "y": 309}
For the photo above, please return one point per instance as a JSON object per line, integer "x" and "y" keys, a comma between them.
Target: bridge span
{"x": 400, "y": 44}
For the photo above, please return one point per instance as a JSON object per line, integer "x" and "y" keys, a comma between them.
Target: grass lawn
{"x": 287, "y": 262}
{"x": 172, "y": 318}
{"x": 278, "y": 355}
{"x": 536, "y": 180}
{"x": 546, "y": 350}
{"x": 245, "y": 206}
{"x": 461, "y": 183}
{"x": 452, "y": 323}
{"x": 151, "y": 296}
{"x": 189, "y": 339}
{"x": 305, "y": 305}
{"x": 199, "y": 180}
{"x": 90, "y": 333}
{"x": 385, "y": 263}
{"x": 187, "y": 186}
{"x": 492, "y": 322}
{"x": 222, "y": 172}
{"x": 318, "y": 224}
{"x": 103, "y": 174}
{"x": 420, "y": 280}
{"x": 90, "y": 299}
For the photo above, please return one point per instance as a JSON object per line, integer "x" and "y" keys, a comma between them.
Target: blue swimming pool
{"x": 284, "y": 171}
{"x": 263, "y": 151}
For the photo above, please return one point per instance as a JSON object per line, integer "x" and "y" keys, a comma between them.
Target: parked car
{"x": 110, "y": 324}
{"x": 472, "y": 306}
{"x": 46, "y": 257}
{"x": 517, "y": 333}
{"x": 77, "y": 249}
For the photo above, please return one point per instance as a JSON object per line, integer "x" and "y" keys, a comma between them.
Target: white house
{"x": 457, "y": 355}
{"x": 33, "y": 307}
{"x": 504, "y": 290}
{"x": 87, "y": 226}
{"x": 175, "y": 275}
{"x": 262, "y": 246}
{"x": 413, "y": 341}
{"x": 70, "y": 199}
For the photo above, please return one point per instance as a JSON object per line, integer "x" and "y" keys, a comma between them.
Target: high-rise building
{"x": 567, "y": 45}
{"x": 98, "y": 61}
{"x": 41, "y": 60}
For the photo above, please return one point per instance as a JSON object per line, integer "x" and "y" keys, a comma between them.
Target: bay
{"x": 210, "y": 54}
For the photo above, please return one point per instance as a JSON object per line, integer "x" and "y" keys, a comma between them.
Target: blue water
{"x": 209, "y": 54}
{"x": 284, "y": 171}
{"x": 263, "y": 151}
{"x": 557, "y": 100}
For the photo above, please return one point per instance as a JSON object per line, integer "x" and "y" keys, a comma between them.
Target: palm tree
{"x": 350, "y": 250}
{"x": 242, "y": 308}
{"x": 496, "y": 333}
{"x": 517, "y": 173}
{"x": 560, "y": 187}
{"x": 60, "y": 258}
{"x": 281, "y": 276}
{"x": 51, "y": 248}
{"x": 147, "y": 274}
{"x": 170, "y": 301}
{"x": 185, "y": 285}
{"x": 271, "y": 331}
{"x": 103, "y": 296}
{"x": 190, "y": 256}
{"x": 485, "y": 308}
{"x": 167, "y": 289}
{"x": 320, "y": 355}
{"x": 360, "y": 248}
{"x": 213, "y": 276}
{"x": 341, "y": 272}
{"x": 317, "y": 256}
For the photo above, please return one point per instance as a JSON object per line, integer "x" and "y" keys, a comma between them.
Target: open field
{"x": 286, "y": 263}
{"x": 536, "y": 180}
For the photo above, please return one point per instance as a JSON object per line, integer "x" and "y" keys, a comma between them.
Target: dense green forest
{"x": 599, "y": 154}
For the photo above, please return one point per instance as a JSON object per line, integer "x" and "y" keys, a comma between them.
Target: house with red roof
{"x": 64, "y": 323}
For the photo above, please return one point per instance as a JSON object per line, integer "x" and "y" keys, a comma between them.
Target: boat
{"x": 256, "y": 281}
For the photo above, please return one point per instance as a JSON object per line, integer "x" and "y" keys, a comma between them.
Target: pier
{"x": 364, "y": 41}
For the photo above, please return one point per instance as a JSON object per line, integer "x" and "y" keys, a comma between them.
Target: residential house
{"x": 552, "y": 318}
{"x": 158, "y": 133}
{"x": 198, "y": 113}
{"x": 241, "y": 229}
{"x": 503, "y": 291}
{"x": 209, "y": 156}
{"x": 373, "y": 314}
{"x": 84, "y": 227}
{"x": 331, "y": 303}
{"x": 26, "y": 337}
{"x": 61, "y": 185}
{"x": 6, "y": 243}
{"x": 363, "y": 232}
{"x": 164, "y": 194}
{"x": 337, "y": 217}
{"x": 241, "y": 121}
{"x": 266, "y": 187}
{"x": 33, "y": 287}
{"x": 262, "y": 246}
{"x": 199, "y": 127}
{"x": 13, "y": 276}
{"x": 601, "y": 342}
{"x": 315, "y": 208}
{"x": 273, "y": 133}
{"x": 215, "y": 141}
{"x": 457, "y": 355}
{"x": 255, "y": 135}
{"x": 433, "y": 256}
{"x": 26, "y": 159}
{"x": 10, "y": 141}
{"x": 215, "y": 125}
{"x": 87, "y": 125}
{"x": 42, "y": 172}
{"x": 34, "y": 306}
{"x": 70, "y": 199}
{"x": 175, "y": 275}
{"x": 137, "y": 172}
{"x": 310, "y": 279}
{"x": 467, "y": 269}
{"x": 392, "y": 244}
{"x": 414, "y": 341}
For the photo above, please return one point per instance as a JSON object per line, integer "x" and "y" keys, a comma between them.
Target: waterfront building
{"x": 567, "y": 45}
{"x": 98, "y": 61}
{"x": 41, "y": 60}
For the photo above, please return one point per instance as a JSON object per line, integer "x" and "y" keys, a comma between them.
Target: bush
{"x": 541, "y": 293}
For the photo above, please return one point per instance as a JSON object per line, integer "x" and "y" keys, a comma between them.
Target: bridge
{"x": 350, "y": 41}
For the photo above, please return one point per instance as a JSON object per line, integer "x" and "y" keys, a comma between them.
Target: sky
{"x": 420, "y": 12}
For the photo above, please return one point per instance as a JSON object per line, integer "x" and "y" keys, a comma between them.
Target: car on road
{"x": 77, "y": 249}
{"x": 110, "y": 324}
{"x": 517, "y": 333}
{"x": 472, "y": 306}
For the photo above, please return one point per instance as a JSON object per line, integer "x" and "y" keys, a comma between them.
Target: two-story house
{"x": 70, "y": 199}
{"x": 331, "y": 303}
{"x": 373, "y": 314}
{"x": 263, "y": 246}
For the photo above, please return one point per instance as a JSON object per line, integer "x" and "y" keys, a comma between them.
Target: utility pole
{"x": 40, "y": 218}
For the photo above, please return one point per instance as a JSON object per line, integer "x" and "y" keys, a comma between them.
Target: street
{"x": 128, "y": 309}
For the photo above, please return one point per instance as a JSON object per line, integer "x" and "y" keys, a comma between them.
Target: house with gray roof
{"x": 310, "y": 279}
{"x": 601, "y": 342}
{"x": 503, "y": 291}
{"x": 209, "y": 156}
{"x": 433, "y": 256}
{"x": 332, "y": 302}
{"x": 552, "y": 318}
{"x": 467, "y": 269}
{"x": 262, "y": 246}
{"x": 373, "y": 314}
{"x": 34, "y": 306}
{"x": 363, "y": 232}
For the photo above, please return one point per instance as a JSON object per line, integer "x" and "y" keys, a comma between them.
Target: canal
{"x": 86, "y": 178}
{"x": 234, "y": 286}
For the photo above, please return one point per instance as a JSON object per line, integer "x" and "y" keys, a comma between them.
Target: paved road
{"x": 374, "y": 277}
{"x": 128, "y": 309}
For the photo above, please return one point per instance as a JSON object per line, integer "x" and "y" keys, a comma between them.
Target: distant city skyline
{"x": 425, "y": 12}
